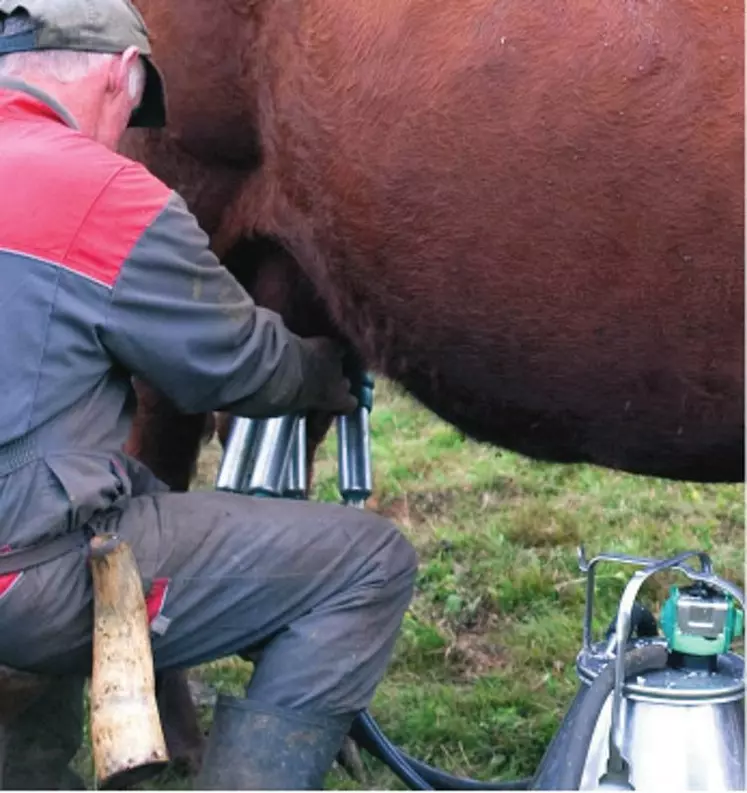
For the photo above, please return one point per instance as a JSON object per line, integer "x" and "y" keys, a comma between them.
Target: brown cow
{"x": 529, "y": 215}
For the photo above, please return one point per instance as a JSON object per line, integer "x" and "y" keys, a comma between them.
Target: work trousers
{"x": 316, "y": 592}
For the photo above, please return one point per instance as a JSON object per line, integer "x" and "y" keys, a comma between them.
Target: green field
{"x": 484, "y": 666}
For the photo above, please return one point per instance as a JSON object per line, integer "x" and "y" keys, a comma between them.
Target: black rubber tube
{"x": 416, "y": 774}
{"x": 563, "y": 765}
{"x": 368, "y": 735}
{"x": 441, "y": 780}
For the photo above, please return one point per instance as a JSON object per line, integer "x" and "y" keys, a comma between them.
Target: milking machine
{"x": 267, "y": 457}
{"x": 660, "y": 703}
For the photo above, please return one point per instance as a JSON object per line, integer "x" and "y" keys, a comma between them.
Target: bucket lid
{"x": 683, "y": 686}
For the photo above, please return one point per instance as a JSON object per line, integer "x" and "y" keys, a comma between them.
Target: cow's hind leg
{"x": 164, "y": 439}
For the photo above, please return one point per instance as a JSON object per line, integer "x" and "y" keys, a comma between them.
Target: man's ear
{"x": 123, "y": 76}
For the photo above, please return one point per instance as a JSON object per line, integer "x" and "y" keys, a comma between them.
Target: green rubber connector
{"x": 695, "y": 638}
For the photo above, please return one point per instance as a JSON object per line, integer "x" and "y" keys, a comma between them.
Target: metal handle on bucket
{"x": 588, "y": 567}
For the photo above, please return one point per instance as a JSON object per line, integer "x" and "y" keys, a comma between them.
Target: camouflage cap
{"x": 107, "y": 26}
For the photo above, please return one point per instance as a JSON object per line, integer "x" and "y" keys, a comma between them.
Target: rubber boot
{"x": 43, "y": 740}
{"x": 253, "y": 746}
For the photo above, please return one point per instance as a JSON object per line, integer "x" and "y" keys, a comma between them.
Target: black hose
{"x": 642, "y": 623}
{"x": 441, "y": 780}
{"x": 416, "y": 774}
{"x": 563, "y": 765}
{"x": 368, "y": 735}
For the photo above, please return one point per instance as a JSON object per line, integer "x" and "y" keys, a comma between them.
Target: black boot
{"x": 253, "y": 746}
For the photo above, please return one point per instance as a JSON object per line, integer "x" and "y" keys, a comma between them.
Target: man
{"x": 105, "y": 275}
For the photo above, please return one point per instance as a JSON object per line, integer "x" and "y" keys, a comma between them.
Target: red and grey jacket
{"x": 105, "y": 274}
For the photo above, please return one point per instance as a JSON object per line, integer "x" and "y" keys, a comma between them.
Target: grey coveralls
{"x": 104, "y": 273}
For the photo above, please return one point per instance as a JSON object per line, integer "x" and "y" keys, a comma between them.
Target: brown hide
{"x": 531, "y": 216}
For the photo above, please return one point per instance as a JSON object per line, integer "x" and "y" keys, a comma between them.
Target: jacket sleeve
{"x": 180, "y": 321}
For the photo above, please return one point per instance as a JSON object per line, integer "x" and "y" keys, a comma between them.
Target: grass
{"x": 484, "y": 667}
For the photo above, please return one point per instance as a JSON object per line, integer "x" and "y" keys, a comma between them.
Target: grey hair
{"x": 64, "y": 66}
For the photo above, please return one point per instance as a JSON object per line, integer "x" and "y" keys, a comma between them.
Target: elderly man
{"x": 105, "y": 275}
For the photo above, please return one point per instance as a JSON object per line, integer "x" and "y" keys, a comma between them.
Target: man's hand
{"x": 325, "y": 385}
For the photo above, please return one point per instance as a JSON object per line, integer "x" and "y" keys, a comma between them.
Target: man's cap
{"x": 106, "y": 26}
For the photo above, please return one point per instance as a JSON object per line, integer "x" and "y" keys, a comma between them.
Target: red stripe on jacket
{"x": 156, "y": 597}
{"x": 9, "y": 580}
{"x": 128, "y": 205}
{"x": 66, "y": 198}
